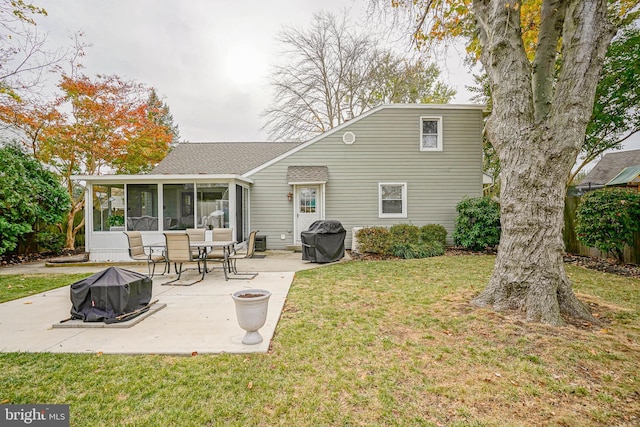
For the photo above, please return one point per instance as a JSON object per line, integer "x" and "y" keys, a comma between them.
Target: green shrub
{"x": 29, "y": 195}
{"x": 434, "y": 233}
{"x": 606, "y": 219}
{"x": 477, "y": 224}
{"x": 401, "y": 234}
{"x": 50, "y": 241}
{"x": 403, "y": 240}
{"x": 420, "y": 249}
{"x": 373, "y": 240}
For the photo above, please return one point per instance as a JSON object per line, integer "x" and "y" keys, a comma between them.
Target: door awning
{"x": 307, "y": 175}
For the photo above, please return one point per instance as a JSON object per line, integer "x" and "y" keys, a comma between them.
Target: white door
{"x": 308, "y": 208}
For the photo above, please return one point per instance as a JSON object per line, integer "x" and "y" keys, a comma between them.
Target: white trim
{"x": 231, "y": 197}
{"x": 320, "y": 207}
{"x": 439, "y": 137}
{"x": 360, "y": 117}
{"x": 349, "y": 138}
{"x": 172, "y": 178}
{"x": 307, "y": 183}
{"x": 404, "y": 213}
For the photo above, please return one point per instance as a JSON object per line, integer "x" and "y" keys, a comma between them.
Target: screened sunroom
{"x": 155, "y": 204}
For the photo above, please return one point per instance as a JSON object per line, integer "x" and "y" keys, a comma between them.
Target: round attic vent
{"x": 349, "y": 138}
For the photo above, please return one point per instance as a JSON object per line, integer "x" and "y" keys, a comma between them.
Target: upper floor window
{"x": 431, "y": 133}
{"x": 392, "y": 200}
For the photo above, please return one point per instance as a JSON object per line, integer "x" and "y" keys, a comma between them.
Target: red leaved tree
{"x": 96, "y": 126}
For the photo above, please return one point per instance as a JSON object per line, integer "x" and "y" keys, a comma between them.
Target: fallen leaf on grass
{"x": 194, "y": 353}
{"x": 250, "y": 385}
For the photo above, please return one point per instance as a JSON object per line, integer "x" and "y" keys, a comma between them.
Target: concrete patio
{"x": 185, "y": 320}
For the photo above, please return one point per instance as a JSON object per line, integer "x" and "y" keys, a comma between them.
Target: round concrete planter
{"x": 251, "y": 311}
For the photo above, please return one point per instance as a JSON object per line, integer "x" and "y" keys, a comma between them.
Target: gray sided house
{"x": 394, "y": 164}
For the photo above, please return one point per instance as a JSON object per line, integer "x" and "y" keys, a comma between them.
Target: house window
{"x": 393, "y": 200}
{"x": 108, "y": 207}
{"x": 431, "y": 133}
{"x": 142, "y": 207}
{"x": 205, "y": 205}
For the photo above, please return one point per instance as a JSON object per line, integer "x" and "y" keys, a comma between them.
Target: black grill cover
{"x": 108, "y": 294}
{"x": 323, "y": 241}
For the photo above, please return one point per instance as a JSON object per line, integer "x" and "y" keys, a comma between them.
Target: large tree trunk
{"x": 537, "y": 126}
{"x": 529, "y": 272}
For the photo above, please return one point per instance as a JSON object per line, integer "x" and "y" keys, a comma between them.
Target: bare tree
{"x": 24, "y": 54}
{"x": 334, "y": 73}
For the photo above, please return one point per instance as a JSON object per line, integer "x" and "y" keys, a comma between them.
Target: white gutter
{"x": 160, "y": 178}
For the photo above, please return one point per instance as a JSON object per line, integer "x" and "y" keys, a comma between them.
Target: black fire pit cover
{"x": 109, "y": 294}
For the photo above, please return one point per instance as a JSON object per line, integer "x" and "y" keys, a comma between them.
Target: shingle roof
{"x": 220, "y": 158}
{"x": 296, "y": 174}
{"x": 610, "y": 166}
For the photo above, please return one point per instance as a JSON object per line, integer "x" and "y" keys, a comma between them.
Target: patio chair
{"x": 196, "y": 235}
{"x": 251, "y": 247}
{"x": 217, "y": 254}
{"x": 137, "y": 252}
{"x": 219, "y": 235}
{"x": 179, "y": 252}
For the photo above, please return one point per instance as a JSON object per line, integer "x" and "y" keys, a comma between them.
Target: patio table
{"x": 225, "y": 245}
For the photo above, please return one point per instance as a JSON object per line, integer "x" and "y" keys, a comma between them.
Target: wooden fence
{"x": 573, "y": 246}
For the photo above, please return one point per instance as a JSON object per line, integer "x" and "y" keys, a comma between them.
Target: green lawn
{"x": 14, "y": 286}
{"x": 371, "y": 343}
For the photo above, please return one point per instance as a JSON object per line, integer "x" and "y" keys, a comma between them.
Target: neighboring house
{"x": 608, "y": 168}
{"x": 393, "y": 164}
{"x": 628, "y": 177}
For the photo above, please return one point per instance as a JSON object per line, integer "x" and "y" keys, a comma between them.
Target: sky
{"x": 208, "y": 59}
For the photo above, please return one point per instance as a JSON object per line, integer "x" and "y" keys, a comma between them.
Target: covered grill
{"x": 323, "y": 241}
{"x": 110, "y": 295}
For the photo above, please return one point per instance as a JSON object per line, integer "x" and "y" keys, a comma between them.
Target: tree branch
{"x": 544, "y": 63}
{"x": 591, "y": 34}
